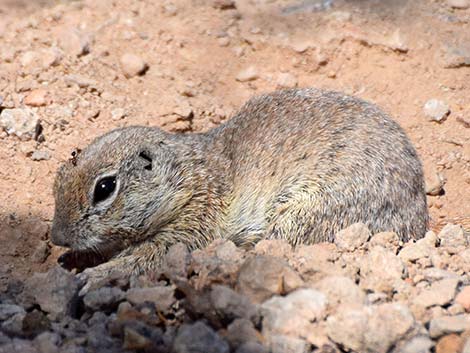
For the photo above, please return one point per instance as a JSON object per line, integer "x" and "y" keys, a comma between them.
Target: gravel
{"x": 352, "y": 237}
{"x": 436, "y": 110}
{"x": 19, "y": 122}
{"x": 248, "y": 74}
{"x": 199, "y": 338}
{"x": 379, "y": 297}
{"x": 133, "y": 65}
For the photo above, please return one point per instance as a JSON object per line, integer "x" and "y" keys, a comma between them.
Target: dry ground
{"x": 396, "y": 54}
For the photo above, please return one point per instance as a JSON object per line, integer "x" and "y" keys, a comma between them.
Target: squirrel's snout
{"x": 58, "y": 236}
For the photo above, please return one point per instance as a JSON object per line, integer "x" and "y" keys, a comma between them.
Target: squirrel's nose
{"x": 58, "y": 235}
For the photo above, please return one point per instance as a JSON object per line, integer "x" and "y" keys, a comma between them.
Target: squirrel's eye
{"x": 104, "y": 188}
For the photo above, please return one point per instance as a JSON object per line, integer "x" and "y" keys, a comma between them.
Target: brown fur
{"x": 298, "y": 164}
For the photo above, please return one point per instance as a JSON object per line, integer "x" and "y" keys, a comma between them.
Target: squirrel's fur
{"x": 298, "y": 165}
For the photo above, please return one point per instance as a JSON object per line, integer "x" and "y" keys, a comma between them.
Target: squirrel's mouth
{"x": 79, "y": 260}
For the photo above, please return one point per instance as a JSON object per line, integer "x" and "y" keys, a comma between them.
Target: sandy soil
{"x": 397, "y": 54}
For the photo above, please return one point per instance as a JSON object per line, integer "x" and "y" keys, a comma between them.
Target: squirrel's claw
{"x": 95, "y": 277}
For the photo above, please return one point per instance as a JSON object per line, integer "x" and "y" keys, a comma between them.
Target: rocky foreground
{"x": 363, "y": 293}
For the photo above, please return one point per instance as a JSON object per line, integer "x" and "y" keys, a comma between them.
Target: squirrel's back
{"x": 306, "y": 163}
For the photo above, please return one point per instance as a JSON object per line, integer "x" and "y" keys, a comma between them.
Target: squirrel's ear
{"x": 146, "y": 159}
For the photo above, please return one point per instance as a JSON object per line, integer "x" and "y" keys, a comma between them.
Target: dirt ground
{"x": 205, "y": 58}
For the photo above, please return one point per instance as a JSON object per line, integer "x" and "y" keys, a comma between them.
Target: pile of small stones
{"x": 362, "y": 293}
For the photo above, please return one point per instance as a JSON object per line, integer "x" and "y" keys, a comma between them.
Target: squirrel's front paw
{"x": 99, "y": 276}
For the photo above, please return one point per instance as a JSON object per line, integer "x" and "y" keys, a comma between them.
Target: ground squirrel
{"x": 298, "y": 165}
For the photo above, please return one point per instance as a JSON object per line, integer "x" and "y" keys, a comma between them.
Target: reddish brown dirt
{"x": 195, "y": 51}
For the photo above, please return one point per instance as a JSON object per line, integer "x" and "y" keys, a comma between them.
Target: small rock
{"x": 388, "y": 240}
{"x": 373, "y": 328}
{"x": 273, "y": 247}
{"x": 92, "y": 113}
{"x": 224, "y": 41}
{"x": 340, "y": 290}
{"x": 47, "y": 342}
{"x": 292, "y": 315}
{"x": 285, "y": 344}
{"x": 37, "y": 98}
{"x": 455, "y": 309}
{"x": 241, "y": 331}
{"x": 73, "y": 42}
{"x": 133, "y": 340}
{"x": 80, "y": 80}
{"x": 352, "y": 237}
{"x": 19, "y": 122}
{"x": 28, "y": 58}
{"x": 300, "y": 46}
{"x": 118, "y": 114}
{"x": 315, "y": 261}
{"x": 261, "y": 277}
{"x": 431, "y": 238}
{"x": 14, "y": 325}
{"x": 19, "y": 346}
{"x": 133, "y": 65}
{"x": 162, "y": 297}
{"x": 399, "y": 322}
{"x": 459, "y": 4}
{"x": 434, "y": 274}
{"x": 211, "y": 269}
{"x": 449, "y": 344}
{"x": 381, "y": 270}
{"x": 184, "y": 114}
{"x": 8, "y": 54}
{"x": 449, "y": 324}
{"x": 463, "y": 298}
{"x": 41, "y": 155}
{"x": 248, "y": 74}
{"x": 97, "y": 334}
{"x": 453, "y": 236}
{"x": 228, "y": 251}
{"x": 50, "y": 57}
{"x": 36, "y": 226}
{"x": 34, "y": 323}
{"x": 252, "y": 347}
{"x": 239, "y": 51}
{"x": 176, "y": 261}
{"x": 440, "y": 293}
{"x": 4, "y": 339}
{"x": 55, "y": 291}
{"x": 376, "y": 298}
{"x": 415, "y": 251}
{"x": 418, "y": 344}
{"x": 41, "y": 252}
{"x": 396, "y": 41}
{"x": 25, "y": 85}
{"x": 454, "y": 57}
{"x": 436, "y": 110}
{"x": 286, "y": 80}
{"x": 340, "y": 16}
{"x": 230, "y": 305}
{"x": 198, "y": 338}
{"x": 103, "y": 299}
{"x": 435, "y": 185}
{"x": 8, "y": 310}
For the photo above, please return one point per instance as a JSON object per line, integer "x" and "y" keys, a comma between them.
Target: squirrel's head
{"x": 124, "y": 185}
